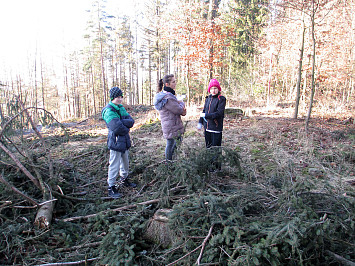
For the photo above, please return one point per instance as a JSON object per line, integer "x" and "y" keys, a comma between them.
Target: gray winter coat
{"x": 170, "y": 110}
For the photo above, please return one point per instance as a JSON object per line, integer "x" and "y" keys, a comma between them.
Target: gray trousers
{"x": 118, "y": 164}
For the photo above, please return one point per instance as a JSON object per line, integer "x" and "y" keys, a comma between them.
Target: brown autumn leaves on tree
{"x": 320, "y": 46}
{"x": 197, "y": 36}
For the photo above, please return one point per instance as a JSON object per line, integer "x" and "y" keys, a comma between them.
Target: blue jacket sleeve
{"x": 127, "y": 121}
{"x": 117, "y": 127}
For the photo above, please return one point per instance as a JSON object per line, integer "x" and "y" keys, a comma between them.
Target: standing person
{"x": 212, "y": 118}
{"x": 118, "y": 122}
{"x": 170, "y": 110}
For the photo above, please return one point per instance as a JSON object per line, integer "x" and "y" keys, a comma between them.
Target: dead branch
{"x": 24, "y": 207}
{"x": 82, "y": 121}
{"x": 88, "y": 245}
{"x": 82, "y": 155}
{"x": 5, "y": 203}
{"x": 29, "y": 199}
{"x": 19, "y": 164}
{"x": 8, "y": 164}
{"x": 340, "y": 259}
{"x": 174, "y": 262}
{"x": 113, "y": 210}
{"x": 23, "y": 110}
{"x": 203, "y": 245}
{"x": 69, "y": 197}
{"x": 11, "y": 142}
{"x": 48, "y": 152}
{"x": 45, "y": 212}
{"x": 80, "y": 262}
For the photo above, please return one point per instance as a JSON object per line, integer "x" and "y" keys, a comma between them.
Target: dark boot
{"x": 126, "y": 183}
{"x": 113, "y": 192}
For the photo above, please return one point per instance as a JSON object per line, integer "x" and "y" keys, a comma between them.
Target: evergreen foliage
{"x": 247, "y": 19}
{"x": 272, "y": 220}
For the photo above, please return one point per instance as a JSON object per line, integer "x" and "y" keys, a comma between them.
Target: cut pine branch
{"x": 48, "y": 152}
{"x": 113, "y": 210}
{"x": 45, "y": 212}
{"x": 29, "y": 199}
{"x": 203, "y": 245}
{"x": 20, "y": 165}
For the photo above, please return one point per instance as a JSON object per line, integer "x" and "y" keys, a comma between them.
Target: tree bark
{"x": 20, "y": 165}
{"x": 299, "y": 78}
{"x": 44, "y": 215}
{"x": 313, "y": 66}
{"x": 14, "y": 189}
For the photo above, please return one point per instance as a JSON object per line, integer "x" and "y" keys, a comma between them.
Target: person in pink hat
{"x": 212, "y": 117}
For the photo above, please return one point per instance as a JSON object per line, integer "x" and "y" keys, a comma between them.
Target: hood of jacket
{"x": 159, "y": 100}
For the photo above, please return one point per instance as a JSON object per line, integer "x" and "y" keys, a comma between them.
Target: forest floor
{"x": 275, "y": 155}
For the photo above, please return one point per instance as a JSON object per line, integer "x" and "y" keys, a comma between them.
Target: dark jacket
{"x": 214, "y": 112}
{"x": 118, "y": 128}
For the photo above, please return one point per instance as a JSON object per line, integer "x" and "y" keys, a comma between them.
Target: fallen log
{"x": 44, "y": 215}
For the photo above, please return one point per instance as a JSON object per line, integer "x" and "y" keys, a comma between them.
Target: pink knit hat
{"x": 214, "y": 83}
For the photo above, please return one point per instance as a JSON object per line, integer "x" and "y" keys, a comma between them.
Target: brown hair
{"x": 163, "y": 81}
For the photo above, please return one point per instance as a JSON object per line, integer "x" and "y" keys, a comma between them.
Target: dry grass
{"x": 274, "y": 149}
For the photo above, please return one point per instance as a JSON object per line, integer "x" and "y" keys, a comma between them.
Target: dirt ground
{"x": 328, "y": 144}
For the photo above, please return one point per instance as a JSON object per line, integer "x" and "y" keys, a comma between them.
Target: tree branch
{"x": 340, "y": 259}
{"x": 29, "y": 199}
{"x": 19, "y": 164}
{"x": 113, "y": 210}
{"x": 48, "y": 152}
{"x": 203, "y": 245}
{"x": 80, "y": 262}
{"x": 174, "y": 262}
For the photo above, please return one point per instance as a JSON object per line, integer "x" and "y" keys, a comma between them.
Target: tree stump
{"x": 232, "y": 112}
{"x": 158, "y": 230}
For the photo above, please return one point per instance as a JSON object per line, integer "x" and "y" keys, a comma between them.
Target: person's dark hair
{"x": 163, "y": 81}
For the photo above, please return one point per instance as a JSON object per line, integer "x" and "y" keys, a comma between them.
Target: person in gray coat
{"x": 170, "y": 110}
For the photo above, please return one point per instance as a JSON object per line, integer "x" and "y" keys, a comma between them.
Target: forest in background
{"x": 263, "y": 52}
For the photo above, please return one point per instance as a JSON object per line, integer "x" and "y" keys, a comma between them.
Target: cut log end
{"x": 158, "y": 230}
{"x": 44, "y": 215}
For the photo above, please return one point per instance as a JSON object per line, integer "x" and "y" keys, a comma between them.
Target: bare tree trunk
{"x": 93, "y": 89}
{"x": 299, "y": 79}
{"x": 212, "y": 13}
{"x": 210, "y": 18}
{"x": 66, "y": 97}
{"x": 103, "y": 73}
{"x": 188, "y": 83}
{"x": 137, "y": 68}
{"x": 313, "y": 67}
{"x": 130, "y": 86}
{"x": 351, "y": 89}
{"x": 42, "y": 78}
{"x": 36, "y": 90}
{"x": 269, "y": 80}
{"x": 150, "y": 74}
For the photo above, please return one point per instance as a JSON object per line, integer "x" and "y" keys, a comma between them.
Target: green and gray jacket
{"x": 118, "y": 122}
